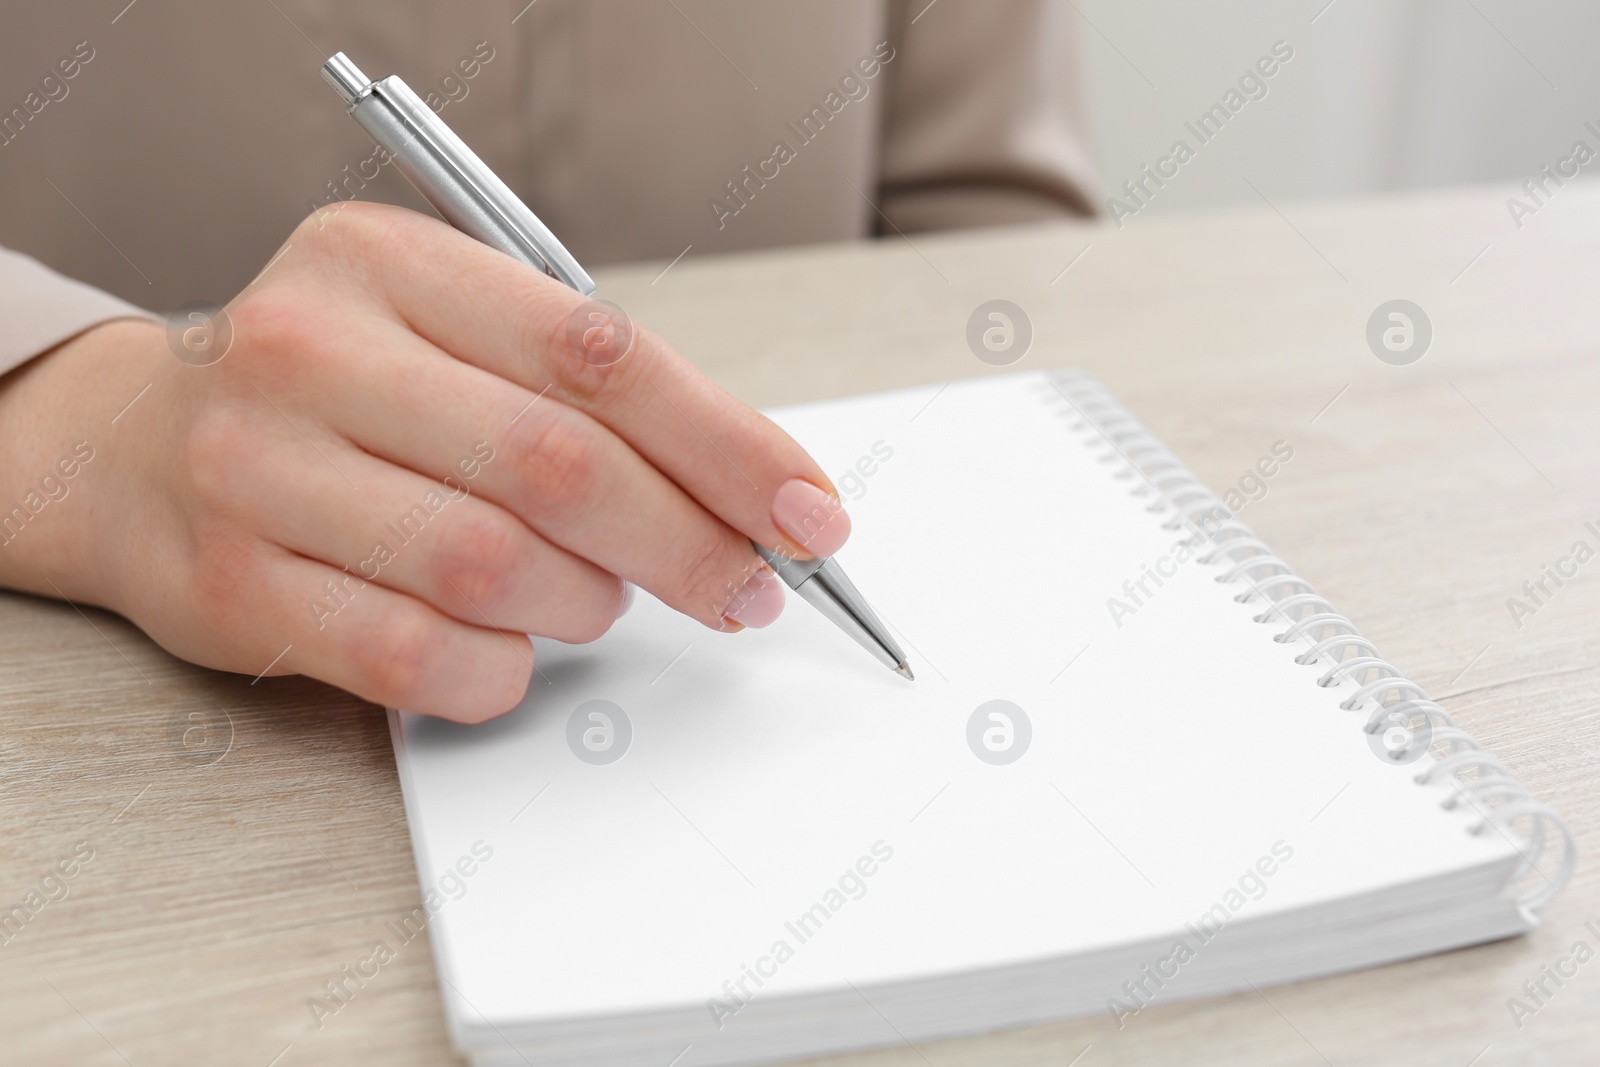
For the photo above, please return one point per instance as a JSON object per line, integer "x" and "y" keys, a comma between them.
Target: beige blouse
{"x": 162, "y": 154}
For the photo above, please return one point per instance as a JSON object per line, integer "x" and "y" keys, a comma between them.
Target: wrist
{"x": 60, "y": 426}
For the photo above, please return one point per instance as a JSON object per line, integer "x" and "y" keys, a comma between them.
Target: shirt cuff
{"x": 39, "y": 309}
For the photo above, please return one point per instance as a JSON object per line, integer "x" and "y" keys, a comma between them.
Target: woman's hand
{"x": 414, "y": 451}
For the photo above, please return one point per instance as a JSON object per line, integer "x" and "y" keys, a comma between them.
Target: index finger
{"x": 513, "y": 321}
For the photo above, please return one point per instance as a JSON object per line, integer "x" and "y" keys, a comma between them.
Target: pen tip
{"x": 904, "y": 671}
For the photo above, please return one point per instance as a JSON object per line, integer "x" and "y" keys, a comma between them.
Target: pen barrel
{"x": 457, "y": 183}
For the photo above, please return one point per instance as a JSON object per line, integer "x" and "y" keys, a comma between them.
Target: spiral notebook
{"x": 1142, "y": 761}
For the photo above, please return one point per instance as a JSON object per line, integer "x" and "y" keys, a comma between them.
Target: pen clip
{"x": 444, "y": 170}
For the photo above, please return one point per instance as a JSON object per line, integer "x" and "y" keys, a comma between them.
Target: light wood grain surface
{"x": 233, "y": 875}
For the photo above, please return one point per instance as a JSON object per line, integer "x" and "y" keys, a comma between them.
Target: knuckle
{"x": 273, "y": 322}
{"x": 349, "y": 239}
{"x": 354, "y": 221}
{"x": 557, "y": 464}
{"x": 397, "y": 658}
{"x": 591, "y": 347}
{"x": 479, "y": 560}
{"x": 376, "y": 229}
{"x": 580, "y": 380}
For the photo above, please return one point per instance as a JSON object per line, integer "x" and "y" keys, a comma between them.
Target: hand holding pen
{"x": 473, "y": 199}
{"x": 386, "y": 464}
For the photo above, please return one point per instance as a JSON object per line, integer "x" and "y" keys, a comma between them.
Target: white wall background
{"x": 1380, "y": 94}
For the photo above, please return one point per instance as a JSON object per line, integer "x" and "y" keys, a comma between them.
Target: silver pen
{"x": 469, "y": 197}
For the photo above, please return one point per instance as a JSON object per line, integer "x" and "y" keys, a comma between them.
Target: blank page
{"x": 1168, "y": 754}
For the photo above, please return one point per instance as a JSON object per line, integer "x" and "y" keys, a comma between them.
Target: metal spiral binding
{"x": 1335, "y": 645}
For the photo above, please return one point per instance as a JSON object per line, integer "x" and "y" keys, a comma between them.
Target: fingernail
{"x": 759, "y": 602}
{"x": 813, "y": 520}
{"x": 629, "y": 594}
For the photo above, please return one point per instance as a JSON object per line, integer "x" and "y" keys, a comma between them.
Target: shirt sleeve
{"x": 39, "y": 309}
{"x": 983, "y": 124}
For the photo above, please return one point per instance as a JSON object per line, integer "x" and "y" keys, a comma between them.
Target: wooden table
{"x": 240, "y": 866}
